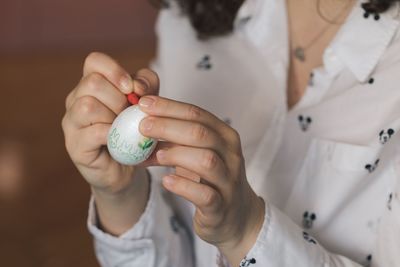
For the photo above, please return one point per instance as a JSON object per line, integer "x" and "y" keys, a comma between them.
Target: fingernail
{"x": 126, "y": 83}
{"x": 169, "y": 181}
{"x": 146, "y": 102}
{"x": 141, "y": 84}
{"x": 146, "y": 124}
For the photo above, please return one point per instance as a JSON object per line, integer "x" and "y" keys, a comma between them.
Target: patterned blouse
{"x": 328, "y": 169}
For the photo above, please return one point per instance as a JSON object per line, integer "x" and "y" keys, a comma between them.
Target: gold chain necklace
{"x": 299, "y": 51}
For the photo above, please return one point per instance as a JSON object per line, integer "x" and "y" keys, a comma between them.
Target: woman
{"x": 309, "y": 87}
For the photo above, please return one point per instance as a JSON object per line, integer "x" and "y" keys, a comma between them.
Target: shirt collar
{"x": 361, "y": 42}
{"x": 358, "y": 45}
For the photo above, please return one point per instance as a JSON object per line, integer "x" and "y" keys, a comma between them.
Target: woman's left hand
{"x": 228, "y": 213}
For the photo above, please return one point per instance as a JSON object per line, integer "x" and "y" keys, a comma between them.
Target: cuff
{"x": 140, "y": 231}
{"x": 283, "y": 243}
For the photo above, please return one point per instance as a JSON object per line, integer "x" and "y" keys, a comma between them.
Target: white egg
{"x": 125, "y": 143}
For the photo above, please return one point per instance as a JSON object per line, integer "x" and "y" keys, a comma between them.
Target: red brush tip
{"x": 133, "y": 98}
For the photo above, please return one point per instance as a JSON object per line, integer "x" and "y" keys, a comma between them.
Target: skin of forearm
{"x": 117, "y": 213}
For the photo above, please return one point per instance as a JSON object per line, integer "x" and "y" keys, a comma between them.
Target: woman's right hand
{"x": 91, "y": 107}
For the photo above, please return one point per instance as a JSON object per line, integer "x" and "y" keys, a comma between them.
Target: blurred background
{"x": 43, "y": 43}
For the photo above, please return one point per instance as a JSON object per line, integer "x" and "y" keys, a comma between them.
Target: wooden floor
{"x": 43, "y": 200}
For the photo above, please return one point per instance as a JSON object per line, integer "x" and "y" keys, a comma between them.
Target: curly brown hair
{"x": 212, "y": 18}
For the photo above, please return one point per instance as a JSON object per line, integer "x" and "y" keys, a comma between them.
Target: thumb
{"x": 146, "y": 82}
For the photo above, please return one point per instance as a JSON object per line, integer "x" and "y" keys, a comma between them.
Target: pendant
{"x": 299, "y": 53}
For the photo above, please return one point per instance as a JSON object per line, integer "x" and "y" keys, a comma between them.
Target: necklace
{"x": 299, "y": 51}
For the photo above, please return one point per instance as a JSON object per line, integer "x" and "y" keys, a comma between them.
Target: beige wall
{"x": 27, "y": 25}
{"x": 43, "y": 43}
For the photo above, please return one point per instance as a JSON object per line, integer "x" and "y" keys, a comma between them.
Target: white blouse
{"x": 329, "y": 168}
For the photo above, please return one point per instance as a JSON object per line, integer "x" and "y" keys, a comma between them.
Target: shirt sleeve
{"x": 158, "y": 239}
{"x": 283, "y": 243}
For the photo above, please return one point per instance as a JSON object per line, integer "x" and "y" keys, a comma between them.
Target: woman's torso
{"x": 327, "y": 163}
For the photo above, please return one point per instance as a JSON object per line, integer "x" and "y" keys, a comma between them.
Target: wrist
{"x": 118, "y": 212}
{"x": 138, "y": 181}
{"x": 238, "y": 248}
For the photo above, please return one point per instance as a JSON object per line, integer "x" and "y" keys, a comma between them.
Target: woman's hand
{"x": 91, "y": 107}
{"x": 228, "y": 212}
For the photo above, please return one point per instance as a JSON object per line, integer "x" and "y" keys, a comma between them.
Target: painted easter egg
{"x": 125, "y": 143}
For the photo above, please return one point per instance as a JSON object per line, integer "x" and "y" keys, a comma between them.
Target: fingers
{"x": 84, "y": 145}
{"x": 145, "y": 82}
{"x": 187, "y": 174}
{"x": 152, "y": 160}
{"x": 97, "y": 86}
{"x": 93, "y": 137}
{"x": 87, "y": 111}
{"x": 204, "y": 162}
{"x": 181, "y": 132}
{"x": 106, "y": 80}
{"x": 202, "y": 196}
{"x": 163, "y": 107}
{"x": 101, "y": 63}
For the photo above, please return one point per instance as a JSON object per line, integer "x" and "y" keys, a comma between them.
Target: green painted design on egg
{"x": 146, "y": 143}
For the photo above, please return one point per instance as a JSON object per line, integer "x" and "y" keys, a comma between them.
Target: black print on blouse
{"x": 246, "y": 262}
{"x": 372, "y": 167}
{"x": 311, "y": 79}
{"x": 308, "y": 219}
{"x": 174, "y": 224}
{"x": 385, "y": 135}
{"x": 389, "y": 203}
{"x": 371, "y": 81}
{"x": 308, "y": 238}
{"x": 367, "y": 14}
{"x": 304, "y": 122}
{"x": 376, "y": 16}
{"x": 205, "y": 63}
{"x": 368, "y": 261}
